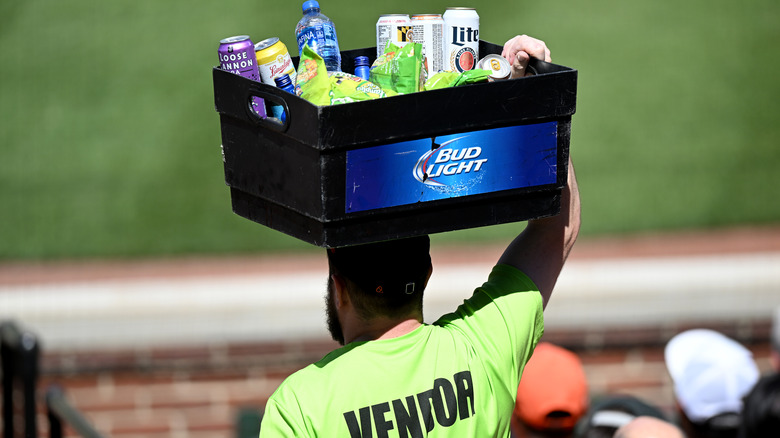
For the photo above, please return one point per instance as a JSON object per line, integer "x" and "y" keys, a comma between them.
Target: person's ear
{"x": 340, "y": 295}
{"x": 430, "y": 272}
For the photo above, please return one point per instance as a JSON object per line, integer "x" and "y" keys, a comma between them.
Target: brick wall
{"x": 198, "y": 391}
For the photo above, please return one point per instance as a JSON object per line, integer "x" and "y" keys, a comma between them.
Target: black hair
{"x": 591, "y": 426}
{"x": 761, "y": 412}
{"x": 385, "y": 278}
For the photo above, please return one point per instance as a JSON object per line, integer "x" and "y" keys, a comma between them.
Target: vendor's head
{"x": 381, "y": 280}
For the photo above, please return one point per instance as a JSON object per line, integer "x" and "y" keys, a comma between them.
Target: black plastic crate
{"x": 362, "y": 172}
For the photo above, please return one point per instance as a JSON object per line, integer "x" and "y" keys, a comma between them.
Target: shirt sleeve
{"x": 503, "y": 321}
{"x": 277, "y": 422}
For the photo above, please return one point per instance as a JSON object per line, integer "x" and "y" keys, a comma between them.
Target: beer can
{"x": 237, "y": 55}
{"x": 461, "y": 39}
{"x": 394, "y": 28}
{"x": 498, "y": 65}
{"x": 274, "y": 61}
{"x": 428, "y": 30}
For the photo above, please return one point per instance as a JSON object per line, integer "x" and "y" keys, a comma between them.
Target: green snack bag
{"x": 399, "y": 69}
{"x": 410, "y": 71}
{"x": 472, "y": 77}
{"x": 346, "y": 88}
{"x": 453, "y": 79}
{"x": 312, "y": 83}
{"x": 381, "y": 72}
{"x": 440, "y": 80}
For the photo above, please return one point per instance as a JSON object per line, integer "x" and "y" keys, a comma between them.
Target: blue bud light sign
{"x": 451, "y": 166}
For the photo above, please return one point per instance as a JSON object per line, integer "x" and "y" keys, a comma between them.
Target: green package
{"x": 322, "y": 88}
{"x": 454, "y": 79}
{"x": 399, "y": 69}
{"x": 346, "y": 88}
{"x": 312, "y": 83}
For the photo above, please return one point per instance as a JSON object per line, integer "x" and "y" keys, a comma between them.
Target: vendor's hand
{"x": 519, "y": 50}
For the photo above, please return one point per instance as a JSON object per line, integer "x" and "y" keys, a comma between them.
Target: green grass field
{"x": 110, "y": 141}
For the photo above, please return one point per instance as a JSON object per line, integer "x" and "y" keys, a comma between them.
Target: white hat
{"x": 711, "y": 373}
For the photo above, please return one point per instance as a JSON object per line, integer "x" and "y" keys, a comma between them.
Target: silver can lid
{"x": 498, "y": 65}
{"x": 266, "y": 43}
{"x": 234, "y": 39}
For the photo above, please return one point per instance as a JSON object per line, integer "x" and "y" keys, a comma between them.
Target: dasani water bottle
{"x": 319, "y": 32}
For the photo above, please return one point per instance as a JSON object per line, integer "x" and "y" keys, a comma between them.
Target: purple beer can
{"x": 237, "y": 55}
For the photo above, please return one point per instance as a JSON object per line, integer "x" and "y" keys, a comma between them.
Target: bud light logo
{"x": 441, "y": 162}
{"x": 451, "y": 166}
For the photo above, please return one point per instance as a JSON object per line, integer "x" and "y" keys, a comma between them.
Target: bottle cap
{"x": 361, "y": 61}
{"x": 310, "y": 4}
{"x": 283, "y": 80}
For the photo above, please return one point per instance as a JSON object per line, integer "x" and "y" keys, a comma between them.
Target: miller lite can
{"x": 237, "y": 55}
{"x": 394, "y": 28}
{"x": 461, "y": 39}
{"x": 274, "y": 61}
{"x": 428, "y": 30}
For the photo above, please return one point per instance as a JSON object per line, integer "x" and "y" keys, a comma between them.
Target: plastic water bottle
{"x": 319, "y": 31}
{"x": 361, "y": 67}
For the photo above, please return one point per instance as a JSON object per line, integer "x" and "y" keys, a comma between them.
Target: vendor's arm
{"x": 542, "y": 248}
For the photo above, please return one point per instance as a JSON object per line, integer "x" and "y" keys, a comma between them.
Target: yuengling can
{"x": 461, "y": 38}
{"x": 274, "y": 61}
{"x": 237, "y": 55}
{"x": 428, "y": 30}
{"x": 395, "y": 28}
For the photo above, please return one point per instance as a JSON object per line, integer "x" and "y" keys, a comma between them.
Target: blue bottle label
{"x": 317, "y": 36}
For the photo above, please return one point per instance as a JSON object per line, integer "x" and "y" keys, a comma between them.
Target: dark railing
{"x": 19, "y": 354}
{"x": 60, "y": 411}
{"x": 19, "y": 351}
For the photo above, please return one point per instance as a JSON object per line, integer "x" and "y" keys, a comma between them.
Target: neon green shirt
{"x": 455, "y": 378}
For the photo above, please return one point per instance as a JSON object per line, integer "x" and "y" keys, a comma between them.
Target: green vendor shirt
{"x": 457, "y": 377}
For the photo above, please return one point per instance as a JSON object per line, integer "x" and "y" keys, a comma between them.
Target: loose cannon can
{"x": 237, "y": 55}
{"x": 461, "y": 39}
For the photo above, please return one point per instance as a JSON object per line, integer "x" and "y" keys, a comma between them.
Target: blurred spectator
{"x": 649, "y": 427}
{"x": 774, "y": 357}
{"x": 608, "y": 414}
{"x": 552, "y": 395}
{"x": 711, "y": 374}
{"x": 761, "y": 414}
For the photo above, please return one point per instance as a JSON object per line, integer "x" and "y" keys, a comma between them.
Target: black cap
{"x": 391, "y": 267}
{"x": 611, "y": 412}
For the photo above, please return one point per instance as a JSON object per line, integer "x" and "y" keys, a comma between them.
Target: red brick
{"x": 178, "y": 353}
{"x": 602, "y": 357}
{"x": 225, "y": 374}
{"x": 137, "y": 422}
{"x": 140, "y": 377}
{"x": 255, "y": 349}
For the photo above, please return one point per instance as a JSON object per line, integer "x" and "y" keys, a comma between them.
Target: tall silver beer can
{"x": 461, "y": 39}
{"x": 428, "y": 30}
{"x": 395, "y": 28}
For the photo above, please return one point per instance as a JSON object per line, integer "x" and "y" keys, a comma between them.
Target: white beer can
{"x": 428, "y": 30}
{"x": 395, "y": 28}
{"x": 461, "y": 39}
